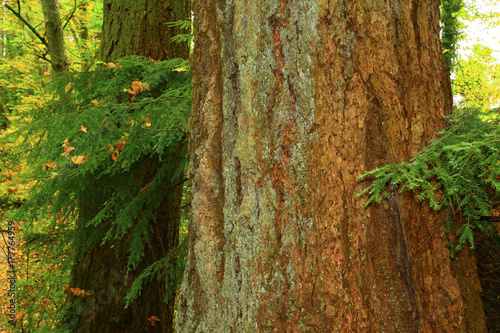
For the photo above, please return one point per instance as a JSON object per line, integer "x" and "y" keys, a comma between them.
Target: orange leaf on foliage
{"x": 66, "y": 289}
{"x": 83, "y": 129}
{"x": 49, "y": 165}
{"x": 119, "y": 150}
{"x": 78, "y": 292}
{"x": 79, "y": 159}
{"x": 12, "y": 191}
{"x": 95, "y": 102}
{"x": 67, "y": 148}
{"x": 120, "y": 145}
{"x": 153, "y": 320}
{"x": 137, "y": 87}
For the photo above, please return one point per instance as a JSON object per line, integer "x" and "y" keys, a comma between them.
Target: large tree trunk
{"x": 55, "y": 36}
{"x": 102, "y": 269}
{"x": 293, "y": 100}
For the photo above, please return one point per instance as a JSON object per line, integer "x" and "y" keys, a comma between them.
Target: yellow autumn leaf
{"x": 180, "y": 69}
{"x": 20, "y": 315}
{"x": 79, "y": 159}
{"x": 67, "y": 148}
{"x": 67, "y": 151}
{"x": 83, "y": 129}
{"x": 49, "y": 165}
{"x": 68, "y": 86}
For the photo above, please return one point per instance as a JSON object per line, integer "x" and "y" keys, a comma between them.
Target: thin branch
{"x": 20, "y": 17}
{"x": 71, "y": 15}
{"x": 44, "y": 57}
{"x": 185, "y": 206}
{"x": 163, "y": 130}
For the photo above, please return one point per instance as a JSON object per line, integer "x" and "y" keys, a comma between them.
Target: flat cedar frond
{"x": 463, "y": 163}
{"x": 92, "y": 134}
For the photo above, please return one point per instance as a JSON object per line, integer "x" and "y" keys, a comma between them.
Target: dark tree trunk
{"x": 293, "y": 100}
{"x": 140, "y": 28}
{"x": 102, "y": 270}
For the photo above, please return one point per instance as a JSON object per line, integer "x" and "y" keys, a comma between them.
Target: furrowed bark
{"x": 292, "y": 101}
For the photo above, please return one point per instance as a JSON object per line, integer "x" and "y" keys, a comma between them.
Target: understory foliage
{"x": 459, "y": 171}
{"x": 88, "y": 142}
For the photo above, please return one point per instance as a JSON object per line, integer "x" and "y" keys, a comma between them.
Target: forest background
{"x": 54, "y": 156}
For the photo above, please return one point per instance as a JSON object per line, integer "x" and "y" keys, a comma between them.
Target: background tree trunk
{"x": 103, "y": 268}
{"x": 55, "y": 36}
{"x": 140, "y": 28}
{"x": 292, "y": 101}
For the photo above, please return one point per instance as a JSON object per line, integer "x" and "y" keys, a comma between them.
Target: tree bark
{"x": 103, "y": 267}
{"x": 55, "y": 36}
{"x": 140, "y": 28}
{"x": 292, "y": 101}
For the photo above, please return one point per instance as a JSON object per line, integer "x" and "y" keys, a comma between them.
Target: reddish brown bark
{"x": 292, "y": 101}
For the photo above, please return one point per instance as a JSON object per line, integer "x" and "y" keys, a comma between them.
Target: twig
{"x": 19, "y": 16}
{"x": 70, "y": 16}
{"x": 163, "y": 130}
{"x": 44, "y": 57}
{"x": 185, "y": 206}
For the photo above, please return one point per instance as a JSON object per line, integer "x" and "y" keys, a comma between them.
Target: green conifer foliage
{"x": 459, "y": 171}
{"x": 94, "y": 133}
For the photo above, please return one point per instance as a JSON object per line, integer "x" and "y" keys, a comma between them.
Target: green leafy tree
{"x": 451, "y": 30}
{"x": 477, "y": 79}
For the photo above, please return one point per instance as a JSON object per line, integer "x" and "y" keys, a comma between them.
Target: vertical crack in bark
{"x": 402, "y": 257}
